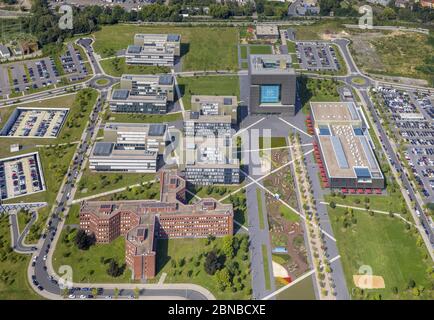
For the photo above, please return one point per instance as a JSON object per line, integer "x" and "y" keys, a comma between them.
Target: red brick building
{"x": 142, "y": 221}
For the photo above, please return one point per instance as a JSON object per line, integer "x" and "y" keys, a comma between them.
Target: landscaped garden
{"x": 219, "y": 264}
{"x": 116, "y": 67}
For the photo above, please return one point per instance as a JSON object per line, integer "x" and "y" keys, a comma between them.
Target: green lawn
{"x": 260, "y": 49}
{"x": 316, "y": 30}
{"x": 143, "y": 118}
{"x": 266, "y": 267}
{"x": 288, "y": 214}
{"x": 238, "y": 200}
{"x": 73, "y": 216}
{"x": 208, "y": 85}
{"x": 202, "y": 48}
{"x": 116, "y": 67}
{"x": 291, "y": 46}
{"x": 193, "y": 251}
{"x": 276, "y": 142}
{"x": 146, "y": 191}
{"x": 392, "y": 251}
{"x": 92, "y": 183}
{"x": 102, "y": 82}
{"x": 215, "y": 192}
{"x": 13, "y": 268}
{"x": 260, "y": 210}
{"x": 88, "y": 265}
{"x": 244, "y": 65}
{"x": 243, "y": 52}
{"x": 302, "y": 290}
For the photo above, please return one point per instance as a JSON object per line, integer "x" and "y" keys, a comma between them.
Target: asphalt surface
{"x": 17, "y": 237}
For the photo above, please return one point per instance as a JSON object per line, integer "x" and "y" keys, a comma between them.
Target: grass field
{"x": 266, "y": 267}
{"x": 143, "y": 118}
{"x": 392, "y": 251}
{"x": 243, "y": 52}
{"x": 276, "y": 142}
{"x": 316, "y": 30}
{"x": 146, "y": 191}
{"x": 13, "y": 268}
{"x": 260, "y": 209}
{"x": 202, "y": 48}
{"x": 400, "y": 55}
{"x": 92, "y": 183}
{"x": 193, "y": 251}
{"x": 208, "y": 85}
{"x": 116, "y": 67}
{"x": 288, "y": 214}
{"x": 260, "y": 49}
{"x": 88, "y": 265}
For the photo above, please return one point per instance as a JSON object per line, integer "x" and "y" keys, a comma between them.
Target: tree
{"x": 84, "y": 240}
{"x": 114, "y": 270}
{"x": 136, "y": 292}
{"x": 332, "y": 204}
{"x": 212, "y": 263}
{"x": 223, "y": 279}
{"x": 228, "y": 246}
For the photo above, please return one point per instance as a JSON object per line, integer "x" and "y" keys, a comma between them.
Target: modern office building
{"x": 272, "y": 84}
{"x": 346, "y": 147}
{"x": 211, "y": 116}
{"x": 137, "y": 136}
{"x": 211, "y": 161}
{"x": 143, "y": 94}
{"x": 129, "y": 147}
{"x": 107, "y": 156}
{"x": 154, "y": 50}
{"x": 144, "y": 221}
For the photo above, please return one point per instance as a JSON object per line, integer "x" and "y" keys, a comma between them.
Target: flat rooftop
{"x": 333, "y": 112}
{"x": 220, "y": 100}
{"x": 267, "y": 30}
{"x": 210, "y": 152}
{"x": 162, "y": 79}
{"x": 346, "y": 149}
{"x": 150, "y": 129}
{"x": 124, "y": 95}
{"x": 201, "y": 118}
{"x": 270, "y": 64}
{"x": 158, "y": 37}
{"x": 108, "y": 150}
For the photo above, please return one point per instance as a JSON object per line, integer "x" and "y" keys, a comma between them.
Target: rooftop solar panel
{"x": 120, "y": 94}
{"x": 173, "y": 37}
{"x": 103, "y": 148}
{"x": 157, "y": 129}
{"x": 227, "y": 101}
{"x": 165, "y": 79}
{"x": 339, "y": 152}
{"x": 324, "y": 131}
{"x": 134, "y": 49}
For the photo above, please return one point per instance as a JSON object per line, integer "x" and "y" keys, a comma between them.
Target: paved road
{"x": 17, "y": 237}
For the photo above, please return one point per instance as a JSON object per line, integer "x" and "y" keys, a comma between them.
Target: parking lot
{"x": 412, "y": 116}
{"x": 20, "y": 176}
{"x": 317, "y": 56}
{"x": 28, "y": 76}
{"x": 35, "y": 123}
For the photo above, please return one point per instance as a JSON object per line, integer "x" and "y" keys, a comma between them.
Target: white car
{"x": 108, "y": 297}
{"x": 45, "y": 257}
{"x": 71, "y": 296}
{"x": 83, "y": 296}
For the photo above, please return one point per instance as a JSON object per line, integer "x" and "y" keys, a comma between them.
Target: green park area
{"x": 239, "y": 203}
{"x": 208, "y": 85}
{"x": 219, "y": 264}
{"x": 260, "y": 209}
{"x": 202, "y": 48}
{"x": 92, "y": 264}
{"x": 317, "y": 90}
{"x": 147, "y": 190}
{"x": 92, "y": 183}
{"x": 317, "y": 30}
{"x": 13, "y": 268}
{"x": 390, "y": 247}
{"x": 116, "y": 67}
{"x": 260, "y": 49}
{"x": 243, "y": 52}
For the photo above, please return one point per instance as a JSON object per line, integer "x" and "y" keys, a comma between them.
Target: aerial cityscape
{"x": 230, "y": 150}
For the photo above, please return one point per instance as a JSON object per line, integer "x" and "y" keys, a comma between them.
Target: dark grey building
{"x": 272, "y": 84}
